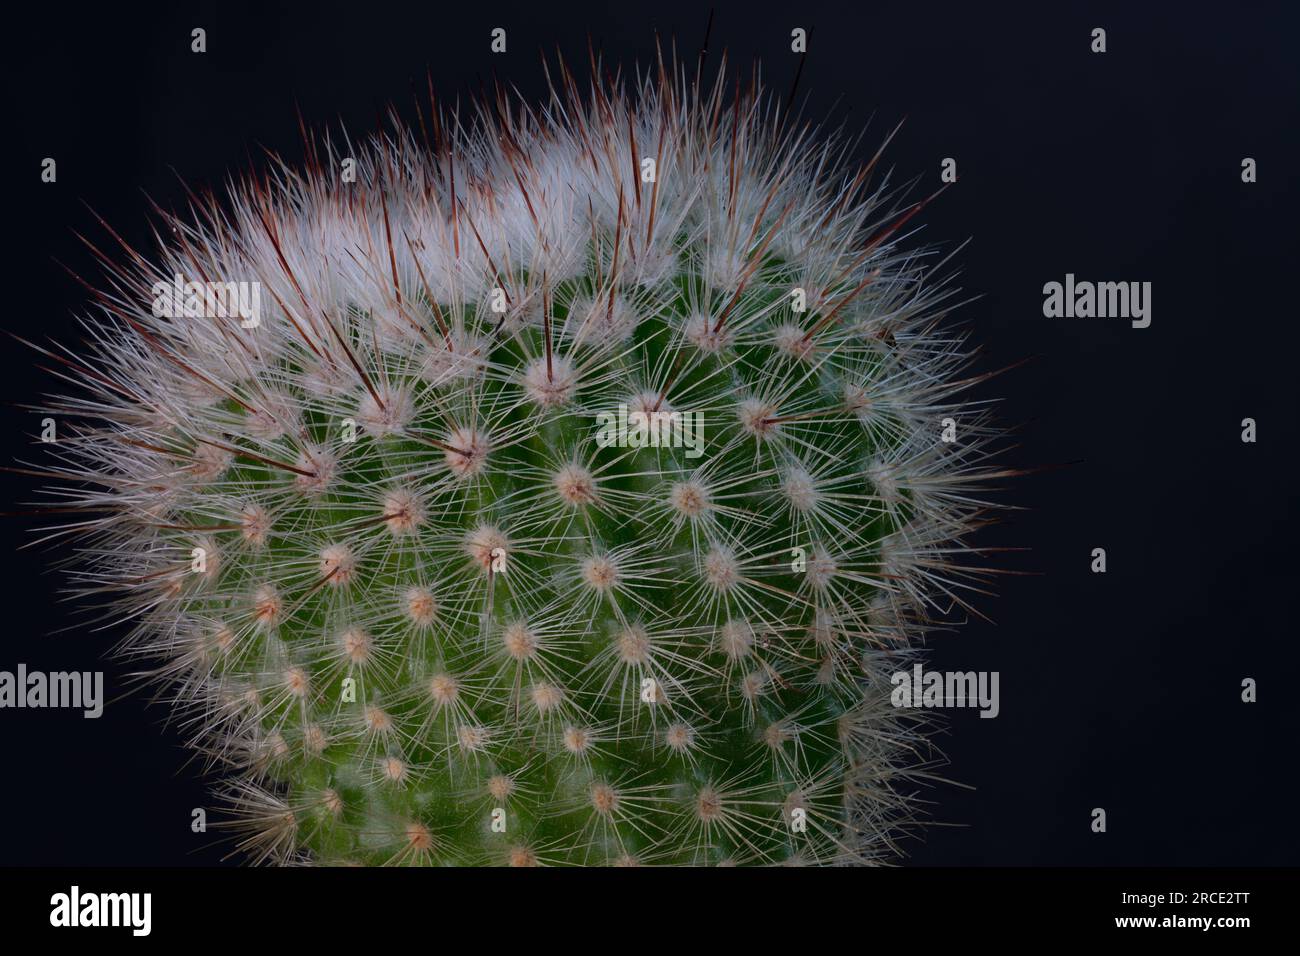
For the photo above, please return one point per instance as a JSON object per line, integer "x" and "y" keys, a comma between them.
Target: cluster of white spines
{"x": 391, "y": 481}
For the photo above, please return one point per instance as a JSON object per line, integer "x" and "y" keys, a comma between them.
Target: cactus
{"x": 569, "y": 496}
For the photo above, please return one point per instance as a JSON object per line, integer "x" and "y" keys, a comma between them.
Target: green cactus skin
{"x": 416, "y": 611}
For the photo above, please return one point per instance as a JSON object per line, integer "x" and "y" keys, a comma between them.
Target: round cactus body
{"x": 558, "y": 489}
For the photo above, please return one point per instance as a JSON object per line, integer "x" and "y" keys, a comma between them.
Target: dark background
{"x": 1119, "y": 690}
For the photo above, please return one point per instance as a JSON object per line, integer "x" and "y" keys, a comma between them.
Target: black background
{"x": 1119, "y": 690}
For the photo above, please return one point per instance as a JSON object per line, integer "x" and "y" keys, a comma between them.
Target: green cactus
{"x": 416, "y": 590}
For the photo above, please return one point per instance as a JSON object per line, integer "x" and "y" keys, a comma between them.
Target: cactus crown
{"x": 570, "y": 499}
